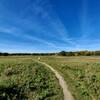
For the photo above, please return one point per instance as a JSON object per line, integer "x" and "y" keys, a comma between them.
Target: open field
{"x": 82, "y": 75}
{"x": 21, "y": 78}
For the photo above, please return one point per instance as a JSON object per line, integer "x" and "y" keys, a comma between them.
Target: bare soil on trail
{"x": 66, "y": 92}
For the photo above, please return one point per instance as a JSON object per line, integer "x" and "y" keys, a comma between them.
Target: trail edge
{"x": 66, "y": 92}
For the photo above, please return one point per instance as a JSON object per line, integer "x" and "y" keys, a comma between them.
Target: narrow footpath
{"x": 66, "y": 92}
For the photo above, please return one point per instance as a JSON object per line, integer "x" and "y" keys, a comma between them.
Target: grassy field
{"x": 82, "y": 75}
{"x": 21, "y": 78}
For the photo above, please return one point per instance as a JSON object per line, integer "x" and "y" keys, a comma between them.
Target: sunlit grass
{"x": 82, "y": 75}
{"x": 25, "y": 79}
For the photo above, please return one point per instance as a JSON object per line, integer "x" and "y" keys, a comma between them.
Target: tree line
{"x": 26, "y": 54}
{"x": 62, "y": 53}
{"x": 79, "y": 53}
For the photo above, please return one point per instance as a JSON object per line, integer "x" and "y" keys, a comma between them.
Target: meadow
{"x": 82, "y": 74}
{"x": 21, "y": 78}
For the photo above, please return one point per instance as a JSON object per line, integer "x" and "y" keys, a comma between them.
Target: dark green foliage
{"x": 78, "y": 53}
{"x": 27, "y": 80}
{"x": 97, "y": 53}
{"x": 62, "y": 53}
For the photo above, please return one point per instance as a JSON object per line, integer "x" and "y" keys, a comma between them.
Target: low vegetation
{"x": 24, "y": 79}
{"x": 82, "y": 74}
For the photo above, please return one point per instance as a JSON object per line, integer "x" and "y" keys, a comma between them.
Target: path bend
{"x": 66, "y": 92}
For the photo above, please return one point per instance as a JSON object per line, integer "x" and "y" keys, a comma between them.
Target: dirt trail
{"x": 66, "y": 92}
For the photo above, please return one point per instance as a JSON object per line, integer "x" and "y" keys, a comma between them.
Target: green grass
{"x": 33, "y": 81}
{"x": 82, "y": 74}
{"x": 21, "y": 78}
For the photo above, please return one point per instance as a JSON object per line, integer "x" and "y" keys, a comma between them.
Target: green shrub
{"x": 27, "y": 81}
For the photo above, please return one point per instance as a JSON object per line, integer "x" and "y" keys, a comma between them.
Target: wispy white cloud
{"x": 16, "y": 32}
{"x": 51, "y": 25}
{"x": 46, "y": 11}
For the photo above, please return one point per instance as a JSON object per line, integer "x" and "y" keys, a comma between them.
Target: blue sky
{"x": 49, "y": 25}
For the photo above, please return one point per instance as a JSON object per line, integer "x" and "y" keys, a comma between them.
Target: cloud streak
{"x": 15, "y": 32}
{"x": 44, "y": 10}
{"x": 43, "y": 22}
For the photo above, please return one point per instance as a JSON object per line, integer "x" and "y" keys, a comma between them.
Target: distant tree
{"x": 76, "y": 54}
{"x": 62, "y": 53}
{"x": 97, "y": 53}
{"x": 5, "y": 54}
{"x": 0, "y": 54}
{"x": 70, "y": 54}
